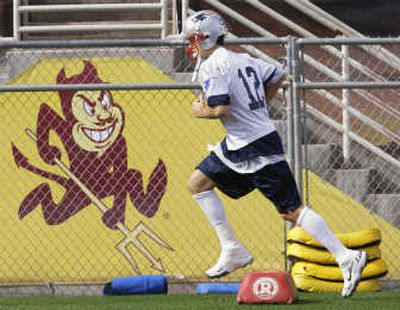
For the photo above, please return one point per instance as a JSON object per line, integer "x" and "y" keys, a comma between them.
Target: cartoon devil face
{"x": 98, "y": 120}
{"x": 91, "y": 122}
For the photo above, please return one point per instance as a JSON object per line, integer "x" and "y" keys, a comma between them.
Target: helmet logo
{"x": 203, "y": 15}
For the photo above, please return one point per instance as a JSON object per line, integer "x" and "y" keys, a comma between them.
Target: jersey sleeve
{"x": 270, "y": 73}
{"x": 215, "y": 84}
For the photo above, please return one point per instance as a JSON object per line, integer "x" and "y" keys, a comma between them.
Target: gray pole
{"x": 17, "y": 19}
{"x": 289, "y": 133}
{"x": 297, "y": 117}
{"x": 346, "y": 103}
{"x": 289, "y": 105}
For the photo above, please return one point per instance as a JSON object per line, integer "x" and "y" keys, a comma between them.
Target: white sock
{"x": 316, "y": 226}
{"x": 214, "y": 210}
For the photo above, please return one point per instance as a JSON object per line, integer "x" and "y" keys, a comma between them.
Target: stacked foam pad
{"x": 316, "y": 270}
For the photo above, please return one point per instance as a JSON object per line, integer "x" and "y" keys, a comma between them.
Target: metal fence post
{"x": 297, "y": 127}
{"x": 164, "y": 18}
{"x": 289, "y": 106}
{"x": 185, "y": 9}
{"x": 17, "y": 17}
{"x": 289, "y": 132}
{"x": 346, "y": 102}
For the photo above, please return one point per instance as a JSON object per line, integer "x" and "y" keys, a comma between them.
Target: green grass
{"x": 364, "y": 301}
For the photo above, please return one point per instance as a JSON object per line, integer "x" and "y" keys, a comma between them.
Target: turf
{"x": 364, "y": 301}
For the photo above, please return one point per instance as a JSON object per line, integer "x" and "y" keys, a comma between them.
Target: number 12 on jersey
{"x": 256, "y": 101}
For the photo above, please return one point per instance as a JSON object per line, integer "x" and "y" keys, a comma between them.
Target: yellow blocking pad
{"x": 374, "y": 269}
{"x": 309, "y": 284}
{"x": 354, "y": 240}
{"x": 319, "y": 256}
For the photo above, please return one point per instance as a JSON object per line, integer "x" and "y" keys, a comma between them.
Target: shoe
{"x": 230, "y": 260}
{"x": 352, "y": 269}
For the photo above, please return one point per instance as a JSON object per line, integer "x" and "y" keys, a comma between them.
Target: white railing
{"x": 305, "y": 33}
{"x": 21, "y": 28}
{"x": 333, "y": 23}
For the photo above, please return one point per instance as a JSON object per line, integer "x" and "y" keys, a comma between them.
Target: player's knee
{"x": 191, "y": 186}
{"x": 199, "y": 182}
{"x": 194, "y": 186}
{"x": 288, "y": 217}
{"x": 291, "y": 216}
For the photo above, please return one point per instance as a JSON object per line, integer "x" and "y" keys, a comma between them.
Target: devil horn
{"x": 61, "y": 76}
{"x": 89, "y": 68}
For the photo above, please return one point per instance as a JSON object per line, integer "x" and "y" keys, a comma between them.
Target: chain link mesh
{"x": 363, "y": 162}
{"x": 77, "y": 163}
{"x": 56, "y": 230}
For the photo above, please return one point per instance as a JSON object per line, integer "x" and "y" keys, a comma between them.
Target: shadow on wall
{"x": 6, "y": 16}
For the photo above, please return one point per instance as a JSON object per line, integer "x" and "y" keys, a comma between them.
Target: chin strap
{"x": 196, "y": 68}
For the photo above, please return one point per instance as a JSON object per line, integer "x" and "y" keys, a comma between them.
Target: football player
{"x": 237, "y": 88}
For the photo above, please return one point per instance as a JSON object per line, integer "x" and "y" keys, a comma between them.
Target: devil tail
{"x": 23, "y": 162}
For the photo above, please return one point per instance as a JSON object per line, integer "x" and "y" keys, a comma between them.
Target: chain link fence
{"x": 98, "y": 147}
{"x": 350, "y": 111}
{"x": 98, "y": 143}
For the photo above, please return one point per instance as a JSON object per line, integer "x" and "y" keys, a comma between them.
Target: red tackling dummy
{"x": 274, "y": 287}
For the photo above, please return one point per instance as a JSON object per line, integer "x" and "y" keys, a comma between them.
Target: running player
{"x": 237, "y": 88}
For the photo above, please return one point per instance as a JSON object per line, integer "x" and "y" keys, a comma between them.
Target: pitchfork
{"x": 131, "y": 236}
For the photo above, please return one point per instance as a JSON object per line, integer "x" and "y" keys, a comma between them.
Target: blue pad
{"x": 143, "y": 284}
{"x": 217, "y": 288}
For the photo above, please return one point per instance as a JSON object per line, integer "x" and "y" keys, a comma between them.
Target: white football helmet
{"x": 203, "y": 29}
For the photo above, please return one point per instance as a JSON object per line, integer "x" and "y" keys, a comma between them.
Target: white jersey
{"x": 238, "y": 80}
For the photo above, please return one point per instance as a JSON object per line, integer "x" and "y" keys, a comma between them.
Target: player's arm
{"x": 272, "y": 77}
{"x": 200, "y": 109}
{"x": 271, "y": 90}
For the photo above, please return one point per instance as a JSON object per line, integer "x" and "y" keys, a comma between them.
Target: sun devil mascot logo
{"x": 91, "y": 133}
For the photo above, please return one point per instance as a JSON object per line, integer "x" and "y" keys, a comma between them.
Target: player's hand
{"x": 198, "y": 107}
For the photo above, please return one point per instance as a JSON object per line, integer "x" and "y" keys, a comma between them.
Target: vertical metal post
{"x": 290, "y": 131}
{"x": 346, "y": 101}
{"x": 185, "y": 8}
{"x": 175, "y": 27}
{"x": 164, "y": 18}
{"x": 16, "y": 19}
{"x": 297, "y": 118}
{"x": 294, "y": 132}
{"x": 306, "y": 163}
{"x": 289, "y": 106}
